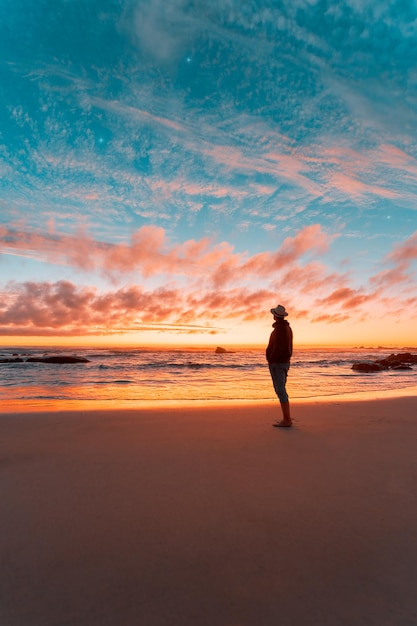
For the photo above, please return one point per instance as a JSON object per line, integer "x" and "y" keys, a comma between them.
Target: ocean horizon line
{"x": 211, "y": 347}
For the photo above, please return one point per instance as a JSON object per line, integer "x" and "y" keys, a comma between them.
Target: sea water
{"x": 138, "y": 376}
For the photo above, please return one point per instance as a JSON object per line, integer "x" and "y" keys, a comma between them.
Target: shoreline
{"x": 48, "y": 405}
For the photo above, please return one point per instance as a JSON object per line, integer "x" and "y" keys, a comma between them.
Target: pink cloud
{"x": 346, "y": 159}
{"x": 390, "y": 278}
{"x": 311, "y": 278}
{"x": 236, "y": 303}
{"x": 63, "y": 308}
{"x": 146, "y": 250}
{"x": 350, "y": 169}
{"x": 396, "y": 158}
{"x": 309, "y": 240}
{"x": 405, "y": 252}
{"x": 150, "y": 253}
{"x": 401, "y": 257}
{"x": 292, "y": 167}
{"x": 220, "y": 285}
{"x": 166, "y": 189}
{"x": 115, "y": 106}
{"x": 289, "y": 167}
{"x": 350, "y": 185}
{"x": 335, "y": 318}
{"x": 347, "y": 298}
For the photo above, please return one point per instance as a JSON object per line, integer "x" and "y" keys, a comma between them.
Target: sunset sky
{"x": 172, "y": 169}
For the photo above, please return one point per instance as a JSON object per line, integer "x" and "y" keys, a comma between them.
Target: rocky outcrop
{"x": 220, "y": 350}
{"x": 399, "y": 361}
{"x": 395, "y": 361}
{"x": 13, "y": 360}
{"x": 367, "y": 367}
{"x": 57, "y": 359}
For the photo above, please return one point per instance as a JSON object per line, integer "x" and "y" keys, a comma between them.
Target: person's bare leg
{"x": 285, "y": 406}
{"x": 286, "y": 415}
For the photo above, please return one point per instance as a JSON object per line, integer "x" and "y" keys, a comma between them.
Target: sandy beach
{"x": 210, "y": 517}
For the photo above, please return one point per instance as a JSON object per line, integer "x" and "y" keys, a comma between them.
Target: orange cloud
{"x": 309, "y": 240}
{"x": 220, "y": 285}
{"x": 312, "y": 278}
{"x": 238, "y": 268}
{"x": 390, "y": 278}
{"x": 150, "y": 253}
{"x": 346, "y": 297}
{"x": 402, "y": 256}
{"x": 62, "y": 308}
{"x": 336, "y": 318}
{"x": 405, "y": 252}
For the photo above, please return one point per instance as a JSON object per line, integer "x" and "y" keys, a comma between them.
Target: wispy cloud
{"x": 347, "y": 298}
{"x": 400, "y": 259}
{"x": 149, "y": 252}
{"x": 356, "y": 188}
{"x": 405, "y": 252}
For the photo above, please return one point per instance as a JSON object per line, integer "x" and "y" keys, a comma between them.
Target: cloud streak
{"x": 149, "y": 252}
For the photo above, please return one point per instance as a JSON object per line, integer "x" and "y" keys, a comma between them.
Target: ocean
{"x": 136, "y": 377}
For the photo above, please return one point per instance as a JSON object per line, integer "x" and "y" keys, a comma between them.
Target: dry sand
{"x": 210, "y": 517}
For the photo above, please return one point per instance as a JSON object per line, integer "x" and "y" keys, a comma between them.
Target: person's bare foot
{"x": 283, "y": 424}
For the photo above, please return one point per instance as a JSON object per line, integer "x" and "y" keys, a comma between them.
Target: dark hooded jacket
{"x": 279, "y": 348}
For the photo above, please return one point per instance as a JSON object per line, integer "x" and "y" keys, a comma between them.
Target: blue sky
{"x": 182, "y": 166}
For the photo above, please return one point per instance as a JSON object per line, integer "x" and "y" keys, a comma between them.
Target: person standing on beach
{"x": 278, "y": 355}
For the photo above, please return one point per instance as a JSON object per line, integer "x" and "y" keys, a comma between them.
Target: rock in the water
{"x": 367, "y": 367}
{"x": 393, "y": 362}
{"x": 57, "y": 359}
{"x": 220, "y": 350}
{"x": 15, "y": 360}
{"x": 405, "y": 357}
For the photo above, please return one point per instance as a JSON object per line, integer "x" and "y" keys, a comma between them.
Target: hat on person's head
{"x": 279, "y": 311}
